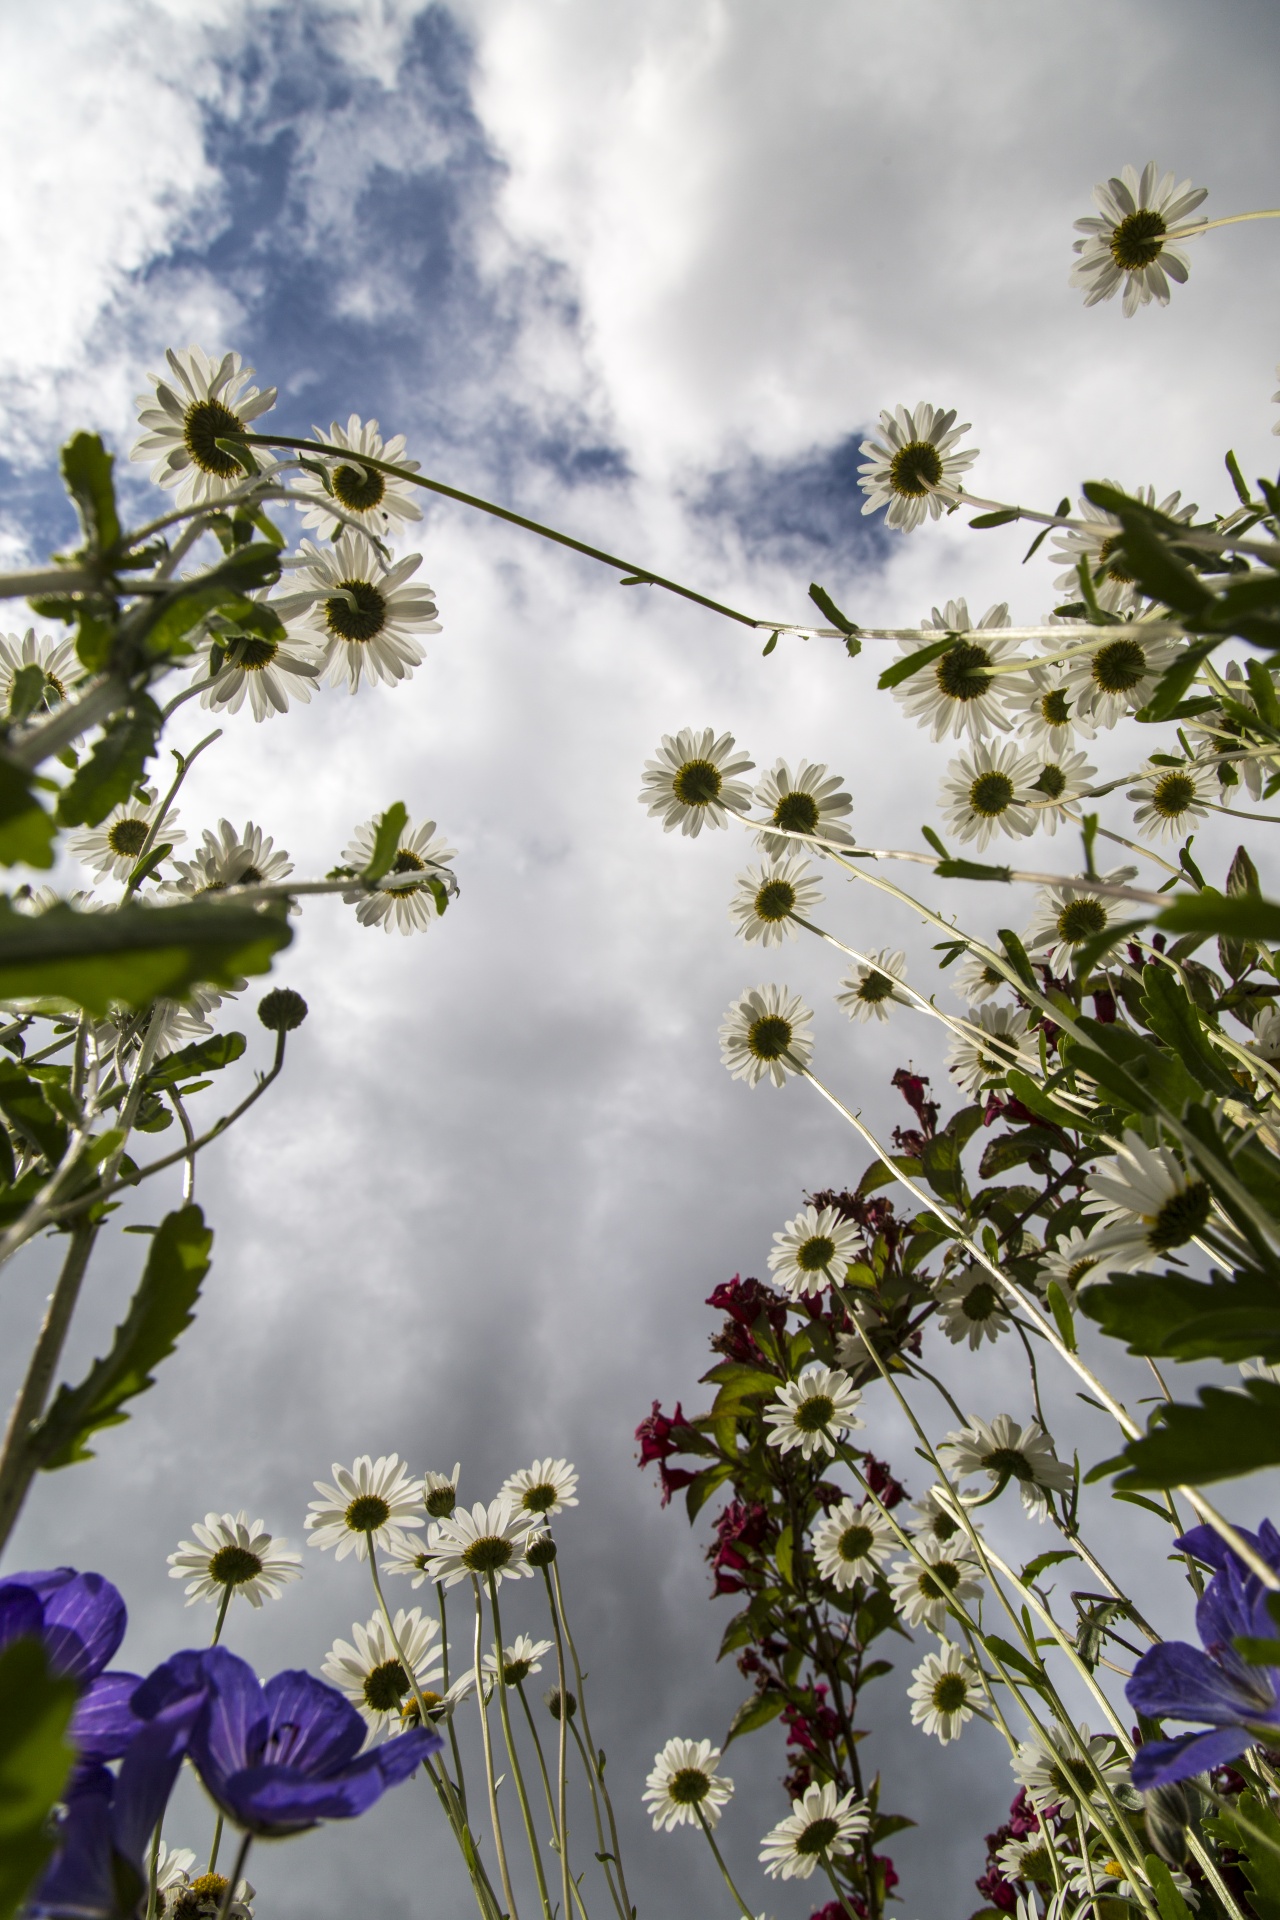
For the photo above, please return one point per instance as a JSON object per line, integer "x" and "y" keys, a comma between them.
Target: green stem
{"x": 223, "y": 1604}
{"x": 217, "y": 1842}
{"x": 517, "y": 1772}
{"x": 152, "y": 1869}
{"x": 838, "y": 1889}
{"x": 488, "y": 1760}
{"x": 562, "y": 1775}
{"x": 444, "y": 1674}
{"x": 595, "y": 1751}
{"x": 236, "y": 1875}
{"x": 743, "y": 1908}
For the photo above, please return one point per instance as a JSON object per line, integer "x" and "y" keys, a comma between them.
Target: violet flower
{"x": 80, "y": 1618}
{"x": 1239, "y": 1702}
{"x": 281, "y": 1757}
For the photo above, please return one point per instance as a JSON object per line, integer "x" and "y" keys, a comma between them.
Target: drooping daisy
{"x": 692, "y": 780}
{"x": 813, "y": 1249}
{"x": 1059, "y": 785}
{"x": 1098, "y": 543}
{"x": 1027, "y": 1859}
{"x": 937, "y": 1513}
{"x": 173, "y": 1874}
{"x": 812, "y": 1411}
{"x": 945, "y": 1692}
{"x": 1056, "y": 1772}
{"x": 1146, "y": 1205}
{"x": 683, "y": 1782}
{"x": 440, "y": 1492}
{"x": 1266, "y": 1034}
{"x": 376, "y": 499}
{"x": 970, "y": 1307}
{"x": 1121, "y": 675}
{"x": 989, "y": 791}
{"x": 372, "y": 1502}
{"x": 810, "y": 800}
{"x": 768, "y": 1031}
{"x": 1069, "y": 1262}
{"x": 57, "y": 660}
{"x": 209, "y": 400}
{"x": 363, "y": 616}
{"x": 769, "y": 895}
{"x": 113, "y": 846}
{"x": 957, "y": 693}
{"x": 230, "y": 859}
{"x": 976, "y": 980}
{"x": 271, "y": 672}
{"x": 821, "y": 1825}
{"x": 1071, "y": 914}
{"x": 486, "y": 1541}
{"x": 1172, "y": 800}
{"x": 1045, "y": 710}
{"x": 973, "y": 1060}
{"x": 914, "y": 465}
{"x": 547, "y": 1487}
{"x": 1132, "y": 241}
{"x": 870, "y": 988}
{"x": 921, "y": 1588}
{"x": 230, "y": 1551}
{"x": 372, "y": 1674}
{"x": 523, "y": 1657}
{"x": 1005, "y": 1451}
{"x": 402, "y": 901}
{"x": 411, "y": 1560}
{"x": 852, "y": 1543}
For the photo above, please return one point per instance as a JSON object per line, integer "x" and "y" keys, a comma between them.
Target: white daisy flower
{"x": 970, "y": 1307}
{"x": 768, "y": 1031}
{"x": 270, "y": 673}
{"x": 1056, "y": 1772}
{"x": 202, "y": 1898}
{"x": 113, "y": 846}
{"x": 231, "y": 1551}
{"x": 1062, "y": 782}
{"x": 957, "y": 693}
{"x": 410, "y": 1560}
{"x": 547, "y": 1487}
{"x": 693, "y": 780}
{"x": 1107, "y": 1875}
{"x": 1219, "y": 735}
{"x": 372, "y": 1674}
{"x": 1044, "y": 709}
{"x": 1146, "y": 1204}
{"x": 1070, "y": 914}
{"x": 1266, "y": 1034}
{"x": 869, "y": 989}
{"x": 1068, "y": 1262}
{"x": 683, "y": 1781}
{"x": 920, "y": 1592}
{"x": 1259, "y": 1370}
{"x": 852, "y": 1543}
{"x": 821, "y": 1825}
{"x": 915, "y": 464}
{"x": 373, "y": 498}
{"x": 973, "y": 1062}
{"x": 173, "y": 1873}
{"x": 977, "y": 980}
{"x": 167, "y": 1024}
{"x": 1097, "y": 543}
{"x": 810, "y": 800}
{"x": 1027, "y": 1859}
{"x": 372, "y": 1502}
{"x": 769, "y": 895}
{"x": 523, "y": 1657}
{"x": 486, "y": 1541}
{"x": 363, "y": 616}
{"x": 945, "y": 1692}
{"x": 1173, "y": 799}
{"x": 209, "y": 400}
{"x": 57, "y": 660}
{"x": 230, "y": 859}
{"x": 811, "y": 1250}
{"x": 1131, "y": 242}
{"x": 937, "y": 1513}
{"x": 989, "y": 791}
{"x": 402, "y": 900}
{"x": 812, "y": 1411}
{"x": 1121, "y": 675}
{"x": 1005, "y": 1451}
{"x": 440, "y": 1492}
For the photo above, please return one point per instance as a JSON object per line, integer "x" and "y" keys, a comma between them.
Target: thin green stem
{"x": 215, "y": 1844}
{"x": 499, "y": 1846}
{"x": 223, "y": 1604}
{"x": 562, "y": 1773}
{"x": 839, "y": 1891}
{"x": 153, "y": 1863}
{"x": 235, "y": 1876}
{"x": 596, "y": 1755}
{"x": 743, "y": 1908}
{"x": 517, "y": 1772}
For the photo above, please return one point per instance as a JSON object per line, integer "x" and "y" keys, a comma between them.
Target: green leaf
{"x": 738, "y": 1633}
{"x": 825, "y": 604}
{"x": 1016, "y": 954}
{"x": 226, "y": 586}
{"x": 1014, "y": 1149}
{"x": 35, "y": 1760}
{"x": 769, "y": 645}
{"x": 386, "y": 842}
{"x": 1175, "y": 680}
{"x": 27, "y": 832}
{"x": 23, "y": 1103}
{"x": 1154, "y": 565}
{"x": 26, "y": 691}
{"x": 1000, "y": 518}
{"x": 86, "y": 470}
{"x": 1042, "y": 1563}
{"x": 1228, "y": 1434}
{"x": 971, "y": 870}
{"x": 134, "y": 954}
{"x": 912, "y": 663}
{"x": 700, "y": 1490}
{"x": 1172, "y": 1316}
{"x": 940, "y": 1157}
{"x": 1009, "y": 1656}
{"x": 1237, "y": 956}
{"x": 1263, "y": 689}
{"x": 783, "y": 1556}
{"x": 756, "y": 1712}
{"x": 201, "y": 1057}
{"x": 1033, "y": 1096}
{"x": 161, "y": 1309}
{"x": 95, "y": 638}
{"x": 1252, "y": 1829}
{"x": 1173, "y": 1018}
{"x": 1063, "y": 506}
{"x": 114, "y": 768}
{"x": 1240, "y": 916}
{"x": 1060, "y": 1308}
{"x": 1238, "y": 480}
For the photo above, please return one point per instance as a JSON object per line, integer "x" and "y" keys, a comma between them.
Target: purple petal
{"x": 21, "y": 1613}
{"x": 274, "y": 1801}
{"x": 1181, "y": 1681}
{"x": 326, "y": 1732}
{"x": 148, "y": 1771}
{"x": 1158, "y": 1763}
{"x": 104, "y": 1721}
{"x": 84, "y": 1622}
{"x": 397, "y": 1758}
{"x": 233, "y": 1728}
{"x": 80, "y": 1878}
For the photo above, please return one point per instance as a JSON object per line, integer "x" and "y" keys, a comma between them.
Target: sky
{"x": 648, "y": 273}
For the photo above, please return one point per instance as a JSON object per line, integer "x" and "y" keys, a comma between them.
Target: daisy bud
{"x": 552, "y": 1700}
{"x": 281, "y": 1010}
{"x": 541, "y": 1551}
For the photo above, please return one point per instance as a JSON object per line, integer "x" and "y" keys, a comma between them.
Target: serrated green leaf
{"x": 1239, "y": 917}
{"x": 1252, "y": 1829}
{"x": 1172, "y": 1316}
{"x": 756, "y": 1712}
{"x": 201, "y": 1057}
{"x": 36, "y": 1757}
{"x": 1173, "y": 1018}
{"x": 386, "y": 842}
{"x": 86, "y": 470}
{"x": 1227, "y": 1435}
{"x": 114, "y": 768}
{"x": 161, "y": 1309}
{"x": 23, "y": 1103}
{"x": 1174, "y": 681}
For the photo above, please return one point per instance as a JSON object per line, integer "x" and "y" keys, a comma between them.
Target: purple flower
{"x": 1239, "y": 1702}
{"x": 280, "y": 1758}
{"x": 81, "y": 1618}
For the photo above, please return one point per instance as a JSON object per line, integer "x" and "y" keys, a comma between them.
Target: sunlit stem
{"x": 490, "y": 1778}
{"x": 236, "y": 1875}
{"x": 517, "y": 1773}
{"x": 215, "y": 1844}
{"x": 743, "y": 1908}
{"x": 153, "y": 1867}
{"x": 562, "y": 1764}
{"x": 444, "y": 1673}
{"x": 596, "y": 1763}
{"x": 223, "y": 1604}
{"x": 840, "y": 1894}
{"x": 185, "y": 763}
{"x": 1230, "y": 220}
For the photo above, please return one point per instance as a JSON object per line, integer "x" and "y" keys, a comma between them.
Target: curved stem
{"x": 562, "y": 1776}
{"x": 235, "y": 1876}
{"x": 838, "y": 1889}
{"x": 223, "y": 1604}
{"x": 517, "y": 1772}
{"x": 499, "y": 1847}
{"x": 743, "y": 1908}
{"x": 596, "y": 1759}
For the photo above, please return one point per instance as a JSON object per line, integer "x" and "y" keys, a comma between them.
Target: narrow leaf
{"x": 35, "y": 1760}
{"x": 386, "y": 841}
